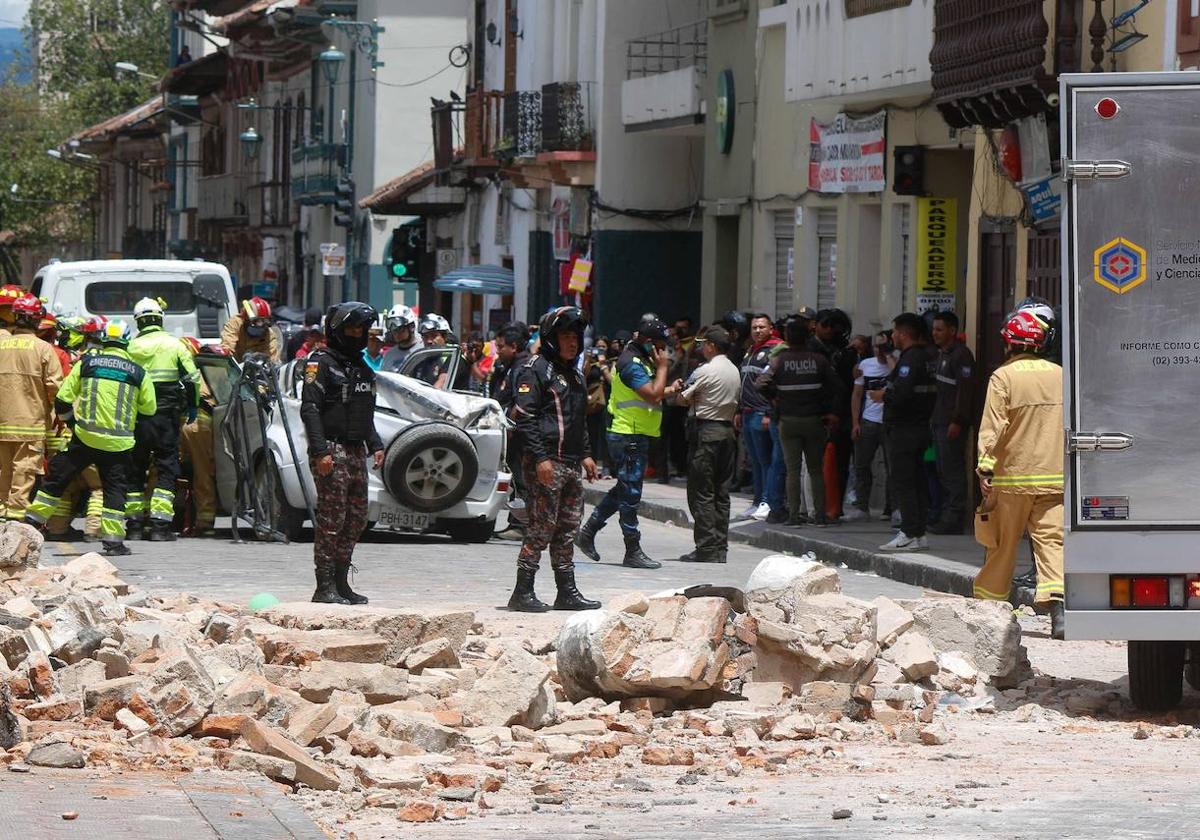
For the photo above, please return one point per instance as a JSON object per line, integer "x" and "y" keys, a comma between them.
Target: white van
{"x": 200, "y": 296}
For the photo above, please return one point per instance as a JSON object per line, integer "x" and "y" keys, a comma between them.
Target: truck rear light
{"x": 502, "y": 486}
{"x": 1149, "y": 591}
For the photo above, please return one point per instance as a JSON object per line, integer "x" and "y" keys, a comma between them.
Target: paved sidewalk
{"x": 949, "y": 565}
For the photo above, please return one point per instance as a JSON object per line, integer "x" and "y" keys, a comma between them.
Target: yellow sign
{"x": 937, "y": 253}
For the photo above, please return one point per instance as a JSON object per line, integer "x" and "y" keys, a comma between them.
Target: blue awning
{"x": 477, "y": 279}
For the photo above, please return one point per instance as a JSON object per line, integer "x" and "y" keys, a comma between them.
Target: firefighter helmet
{"x": 149, "y": 312}
{"x": 256, "y": 309}
{"x": 116, "y": 333}
{"x": 28, "y": 311}
{"x": 434, "y": 323}
{"x": 399, "y": 317}
{"x": 1025, "y": 330}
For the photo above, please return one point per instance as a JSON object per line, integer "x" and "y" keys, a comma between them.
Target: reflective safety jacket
{"x": 1021, "y": 434}
{"x": 169, "y": 365}
{"x": 30, "y": 376}
{"x": 103, "y": 396}
{"x": 631, "y": 414}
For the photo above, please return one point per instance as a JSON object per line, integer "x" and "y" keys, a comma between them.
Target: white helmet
{"x": 400, "y": 316}
{"x": 148, "y": 308}
{"x": 434, "y": 322}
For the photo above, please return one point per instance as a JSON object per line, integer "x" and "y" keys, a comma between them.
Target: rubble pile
{"x": 430, "y": 715}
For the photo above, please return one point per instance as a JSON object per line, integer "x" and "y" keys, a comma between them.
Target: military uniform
{"x": 103, "y": 397}
{"x": 169, "y": 366}
{"x": 30, "y": 376}
{"x": 338, "y": 410}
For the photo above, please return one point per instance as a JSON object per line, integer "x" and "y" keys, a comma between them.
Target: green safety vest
{"x": 632, "y": 415}
{"x": 167, "y": 362}
{"x": 107, "y": 391}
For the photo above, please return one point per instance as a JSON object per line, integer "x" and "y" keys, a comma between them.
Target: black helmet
{"x": 736, "y": 322}
{"x": 350, "y": 314}
{"x": 652, "y": 329}
{"x": 555, "y": 321}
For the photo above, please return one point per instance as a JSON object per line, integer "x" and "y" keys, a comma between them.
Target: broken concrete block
{"x": 170, "y": 709}
{"x": 913, "y": 655}
{"x": 891, "y": 620}
{"x": 116, "y": 664}
{"x": 83, "y": 646}
{"x": 634, "y": 603}
{"x": 73, "y": 679}
{"x": 181, "y": 664}
{"x": 934, "y": 734}
{"x": 377, "y": 683}
{"x": 41, "y": 675}
{"x": 830, "y": 637}
{"x": 221, "y": 726}
{"x": 251, "y": 695}
{"x": 408, "y": 725}
{"x": 506, "y": 693}
{"x": 56, "y": 754}
{"x": 279, "y": 769}
{"x": 437, "y": 653}
{"x": 305, "y": 724}
{"x": 131, "y": 723}
{"x": 93, "y": 571}
{"x": 269, "y": 741}
{"x": 823, "y": 699}
{"x": 104, "y": 699}
{"x": 22, "y": 607}
{"x": 20, "y": 546}
{"x": 780, "y": 580}
{"x": 794, "y": 727}
{"x": 14, "y": 646}
{"x": 220, "y": 628}
{"x": 663, "y": 756}
{"x": 986, "y": 631}
{"x": 56, "y": 708}
{"x": 388, "y": 775}
{"x": 766, "y": 693}
{"x": 11, "y": 729}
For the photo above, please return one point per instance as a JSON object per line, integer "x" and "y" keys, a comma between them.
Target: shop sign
{"x": 847, "y": 155}
{"x": 333, "y": 259}
{"x": 937, "y": 254}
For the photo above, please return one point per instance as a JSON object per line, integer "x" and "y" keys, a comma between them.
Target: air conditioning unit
{"x": 447, "y": 260}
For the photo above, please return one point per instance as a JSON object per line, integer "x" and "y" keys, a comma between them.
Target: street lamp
{"x": 130, "y": 67}
{"x": 251, "y": 143}
{"x": 331, "y": 59}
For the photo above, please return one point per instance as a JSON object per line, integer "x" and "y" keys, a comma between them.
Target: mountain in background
{"x": 13, "y": 52}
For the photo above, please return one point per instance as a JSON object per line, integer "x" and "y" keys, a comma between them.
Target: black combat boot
{"x": 160, "y": 532}
{"x": 326, "y": 587}
{"x": 569, "y": 596}
{"x": 342, "y": 578}
{"x": 1057, "y": 621}
{"x": 523, "y": 597}
{"x": 635, "y": 558}
{"x": 585, "y": 540}
{"x": 136, "y": 530}
{"x": 115, "y": 548}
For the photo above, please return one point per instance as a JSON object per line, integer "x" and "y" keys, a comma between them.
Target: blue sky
{"x": 12, "y": 13}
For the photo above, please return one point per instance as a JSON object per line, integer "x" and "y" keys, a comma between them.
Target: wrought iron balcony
{"x": 522, "y": 125}
{"x": 665, "y": 52}
{"x": 567, "y": 117}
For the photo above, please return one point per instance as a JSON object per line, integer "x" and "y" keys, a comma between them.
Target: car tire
{"x": 470, "y": 530}
{"x": 268, "y": 486}
{"x": 431, "y": 467}
{"x": 1156, "y": 674}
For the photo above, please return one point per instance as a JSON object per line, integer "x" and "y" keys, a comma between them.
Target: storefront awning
{"x": 477, "y": 279}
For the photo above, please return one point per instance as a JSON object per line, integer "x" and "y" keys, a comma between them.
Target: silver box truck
{"x": 1131, "y": 320}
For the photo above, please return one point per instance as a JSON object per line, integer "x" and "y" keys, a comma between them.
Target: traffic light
{"x": 343, "y": 203}
{"x": 908, "y": 171}
{"x": 404, "y": 252}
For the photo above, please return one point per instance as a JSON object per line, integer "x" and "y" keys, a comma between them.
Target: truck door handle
{"x": 1098, "y": 442}
{"x": 1091, "y": 170}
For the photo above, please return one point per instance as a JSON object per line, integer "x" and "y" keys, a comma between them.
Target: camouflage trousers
{"x": 555, "y": 509}
{"x": 341, "y": 506}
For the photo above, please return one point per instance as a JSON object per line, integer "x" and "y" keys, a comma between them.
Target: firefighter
{"x": 399, "y": 336}
{"x": 196, "y": 447}
{"x": 9, "y": 294}
{"x": 250, "y": 331}
{"x": 338, "y": 409}
{"x": 30, "y": 376}
{"x": 635, "y": 407}
{"x": 103, "y": 397}
{"x": 169, "y": 366}
{"x": 551, "y": 411}
{"x": 1020, "y": 467}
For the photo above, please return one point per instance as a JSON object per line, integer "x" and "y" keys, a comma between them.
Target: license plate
{"x": 394, "y": 516}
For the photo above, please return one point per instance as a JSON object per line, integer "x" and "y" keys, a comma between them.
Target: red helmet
{"x": 10, "y": 294}
{"x": 48, "y": 324}
{"x": 93, "y": 327}
{"x": 30, "y": 308}
{"x": 256, "y": 308}
{"x": 1024, "y": 329}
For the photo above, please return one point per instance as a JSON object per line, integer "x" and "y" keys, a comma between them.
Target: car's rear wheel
{"x": 431, "y": 467}
{"x": 1156, "y": 675}
{"x": 272, "y": 501}
{"x": 470, "y": 530}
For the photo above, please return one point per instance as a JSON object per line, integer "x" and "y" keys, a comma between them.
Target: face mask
{"x": 349, "y": 344}
{"x": 256, "y": 330}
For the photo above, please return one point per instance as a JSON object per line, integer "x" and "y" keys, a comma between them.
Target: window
{"x": 827, "y": 222}
{"x": 118, "y": 297}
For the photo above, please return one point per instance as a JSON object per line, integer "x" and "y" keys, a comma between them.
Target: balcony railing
{"x": 318, "y": 151}
{"x": 223, "y": 198}
{"x": 664, "y": 52}
{"x": 567, "y": 117}
{"x": 522, "y": 134}
{"x": 482, "y": 123}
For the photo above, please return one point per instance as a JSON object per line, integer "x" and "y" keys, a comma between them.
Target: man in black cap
{"x": 635, "y": 411}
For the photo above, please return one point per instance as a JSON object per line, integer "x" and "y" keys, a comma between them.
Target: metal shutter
{"x": 826, "y": 259}
{"x": 905, "y": 240}
{"x": 785, "y": 281}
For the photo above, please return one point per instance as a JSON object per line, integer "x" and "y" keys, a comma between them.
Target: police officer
{"x": 338, "y": 410}
{"x": 399, "y": 336}
{"x": 30, "y": 376}
{"x": 103, "y": 398}
{"x": 551, "y": 410}
{"x": 952, "y": 420}
{"x": 250, "y": 331}
{"x": 635, "y": 407}
{"x": 806, "y": 389}
{"x": 907, "y": 406}
{"x": 511, "y": 355}
{"x": 168, "y": 364}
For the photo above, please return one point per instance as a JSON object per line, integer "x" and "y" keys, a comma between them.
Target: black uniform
{"x": 843, "y": 360}
{"x": 908, "y": 404}
{"x": 338, "y": 410}
{"x": 955, "y": 397}
{"x": 504, "y": 391}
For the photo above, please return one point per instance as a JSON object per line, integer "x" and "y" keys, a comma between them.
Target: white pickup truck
{"x": 1131, "y": 313}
